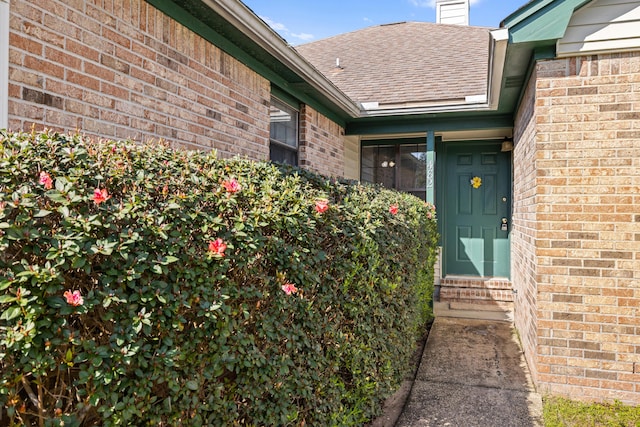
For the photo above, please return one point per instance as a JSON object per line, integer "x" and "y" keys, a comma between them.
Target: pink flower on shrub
{"x": 393, "y": 209}
{"x": 100, "y": 196}
{"x": 321, "y": 205}
{"x": 217, "y": 247}
{"x": 231, "y": 185}
{"x": 73, "y": 298}
{"x": 45, "y": 179}
{"x": 429, "y": 215}
{"x": 289, "y": 288}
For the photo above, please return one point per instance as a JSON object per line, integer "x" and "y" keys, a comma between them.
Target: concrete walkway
{"x": 472, "y": 373}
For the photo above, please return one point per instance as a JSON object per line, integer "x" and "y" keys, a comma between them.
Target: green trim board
{"x": 200, "y": 19}
{"x": 285, "y": 97}
{"x": 534, "y": 30}
{"x": 541, "y": 20}
{"x": 440, "y": 189}
{"x": 433, "y": 122}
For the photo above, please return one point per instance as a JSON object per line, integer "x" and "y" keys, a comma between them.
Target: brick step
{"x": 475, "y": 310}
{"x": 475, "y": 294}
{"x": 476, "y": 282}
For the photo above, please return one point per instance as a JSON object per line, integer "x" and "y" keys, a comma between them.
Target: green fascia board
{"x": 200, "y": 19}
{"x": 285, "y": 97}
{"x": 541, "y": 21}
{"x": 534, "y": 31}
{"x": 432, "y": 122}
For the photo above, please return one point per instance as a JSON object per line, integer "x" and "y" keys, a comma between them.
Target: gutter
{"x": 241, "y": 17}
{"x": 499, "y": 39}
{"x": 497, "y": 58}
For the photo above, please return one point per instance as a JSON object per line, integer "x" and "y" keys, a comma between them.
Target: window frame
{"x": 282, "y": 145}
{"x": 397, "y": 146}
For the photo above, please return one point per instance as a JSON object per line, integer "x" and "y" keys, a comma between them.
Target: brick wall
{"x": 321, "y": 143}
{"x": 586, "y": 149}
{"x": 524, "y": 232}
{"x": 122, "y": 69}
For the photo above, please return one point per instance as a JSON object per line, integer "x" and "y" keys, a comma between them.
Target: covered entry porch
{"x": 467, "y": 175}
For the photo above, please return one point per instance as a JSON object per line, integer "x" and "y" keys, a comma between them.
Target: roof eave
{"x": 408, "y": 111}
{"x": 240, "y": 16}
{"x": 497, "y": 55}
{"x": 534, "y": 30}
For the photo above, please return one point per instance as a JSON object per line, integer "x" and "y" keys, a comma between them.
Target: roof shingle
{"x": 406, "y": 63}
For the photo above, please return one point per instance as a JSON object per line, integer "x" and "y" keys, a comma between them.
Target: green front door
{"x": 477, "y": 220}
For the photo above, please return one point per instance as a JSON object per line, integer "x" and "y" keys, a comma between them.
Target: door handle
{"x": 504, "y": 225}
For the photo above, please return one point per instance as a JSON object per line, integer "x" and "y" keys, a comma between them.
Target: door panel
{"x": 474, "y": 242}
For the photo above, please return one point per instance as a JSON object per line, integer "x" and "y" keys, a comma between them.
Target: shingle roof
{"x": 405, "y": 63}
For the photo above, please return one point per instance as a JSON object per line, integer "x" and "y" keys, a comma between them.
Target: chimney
{"x": 452, "y": 12}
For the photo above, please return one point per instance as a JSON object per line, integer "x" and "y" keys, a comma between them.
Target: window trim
{"x": 280, "y": 102}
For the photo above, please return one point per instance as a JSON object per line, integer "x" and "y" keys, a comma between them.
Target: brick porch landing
{"x": 471, "y": 297}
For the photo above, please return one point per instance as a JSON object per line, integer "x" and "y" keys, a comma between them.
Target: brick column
{"x": 577, "y": 234}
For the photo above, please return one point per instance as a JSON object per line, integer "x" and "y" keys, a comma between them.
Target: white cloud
{"x": 432, "y": 3}
{"x": 284, "y": 31}
{"x": 303, "y": 36}
{"x": 275, "y": 25}
{"x": 423, "y": 3}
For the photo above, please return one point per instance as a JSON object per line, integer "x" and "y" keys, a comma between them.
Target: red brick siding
{"x": 587, "y": 190}
{"x": 122, "y": 69}
{"x": 321, "y": 143}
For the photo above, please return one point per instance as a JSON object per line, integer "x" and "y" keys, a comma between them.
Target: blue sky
{"x": 300, "y": 21}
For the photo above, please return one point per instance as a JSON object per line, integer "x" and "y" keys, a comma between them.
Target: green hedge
{"x": 141, "y": 285}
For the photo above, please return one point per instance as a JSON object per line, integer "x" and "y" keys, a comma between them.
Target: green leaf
{"x": 55, "y": 302}
{"x": 4, "y": 285}
{"x": 10, "y": 313}
{"x": 137, "y": 327}
{"x": 6, "y": 298}
{"x": 94, "y": 399}
{"x": 168, "y": 260}
{"x": 14, "y": 233}
{"x": 42, "y": 213}
{"x": 192, "y": 385}
{"x": 78, "y": 262}
{"x": 96, "y": 361}
{"x": 57, "y": 197}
